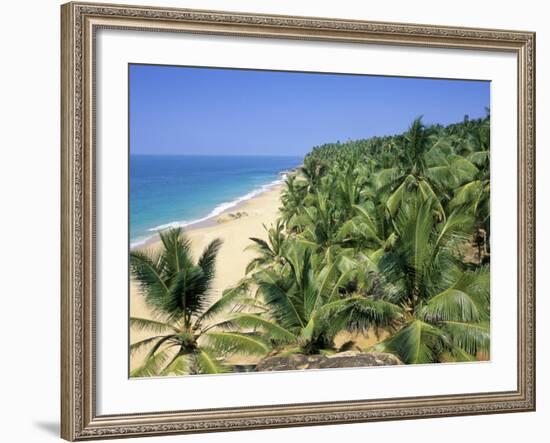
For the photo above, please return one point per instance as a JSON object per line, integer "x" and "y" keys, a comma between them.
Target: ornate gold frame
{"x": 79, "y": 22}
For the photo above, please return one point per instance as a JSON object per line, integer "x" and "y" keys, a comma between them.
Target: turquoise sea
{"x": 181, "y": 190}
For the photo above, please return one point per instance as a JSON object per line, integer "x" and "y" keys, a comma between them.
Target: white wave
{"x": 222, "y": 207}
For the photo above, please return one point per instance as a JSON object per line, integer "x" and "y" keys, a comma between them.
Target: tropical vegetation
{"x": 387, "y": 236}
{"x": 187, "y": 334}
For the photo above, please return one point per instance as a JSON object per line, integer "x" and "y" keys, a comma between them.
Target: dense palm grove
{"x": 388, "y": 235}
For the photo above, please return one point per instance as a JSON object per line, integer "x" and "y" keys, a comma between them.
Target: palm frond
{"x": 457, "y": 227}
{"x": 359, "y": 314}
{"x": 467, "y": 195}
{"x": 207, "y": 363}
{"x": 394, "y": 200}
{"x": 156, "y": 347}
{"x": 151, "y": 366}
{"x": 269, "y": 328}
{"x": 207, "y": 260}
{"x": 451, "y": 304}
{"x": 181, "y": 364}
{"x": 237, "y": 343}
{"x": 145, "y": 324}
{"x": 470, "y": 337}
{"x": 134, "y": 347}
{"x": 260, "y": 245}
{"x": 417, "y": 236}
{"x": 230, "y": 297}
{"x": 176, "y": 252}
{"x": 149, "y": 277}
{"x": 188, "y": 293}
{"x": 415, "y": 343}
{"x": 479, "y": 158}
{"x": 476, "y": 283}
{"x": 281, "y": 304}
{"x": 443, "y": 175}
{"x": 464, "y": 169}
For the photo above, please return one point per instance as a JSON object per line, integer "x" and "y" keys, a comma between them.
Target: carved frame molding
{"x": 80, "y": 21}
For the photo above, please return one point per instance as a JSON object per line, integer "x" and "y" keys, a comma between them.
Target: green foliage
{"x": 178, "y": 291}
{"x": 389, "y": 234}
{"x": 372, "y": 236}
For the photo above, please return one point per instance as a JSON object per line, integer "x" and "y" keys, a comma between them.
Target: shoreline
{"x": 212, "y": 218}
{"x": 235, "y": 232}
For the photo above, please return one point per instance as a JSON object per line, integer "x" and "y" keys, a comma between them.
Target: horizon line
{"x": 215, "y": 155}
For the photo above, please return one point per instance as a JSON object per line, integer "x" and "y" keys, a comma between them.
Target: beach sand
{"x": 234, "y": 227}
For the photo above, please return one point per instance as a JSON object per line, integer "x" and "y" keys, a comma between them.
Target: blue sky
{"x": 206, "y": 111}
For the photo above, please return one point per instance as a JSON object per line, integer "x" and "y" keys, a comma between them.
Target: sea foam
{"x": 218, "y": 210}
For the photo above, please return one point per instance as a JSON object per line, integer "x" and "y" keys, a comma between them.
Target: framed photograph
{"x": 277, "y": 221}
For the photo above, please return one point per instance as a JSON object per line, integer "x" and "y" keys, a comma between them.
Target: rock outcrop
{"x": 359, "y": 360}
{"x": 350, "y": 359}
{"x": 290, "y": 362}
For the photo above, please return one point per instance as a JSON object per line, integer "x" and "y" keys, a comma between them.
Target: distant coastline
{"x": 235, "y": 232}
{"x": 239, "y": 181}
{"x": 217, "y": 213}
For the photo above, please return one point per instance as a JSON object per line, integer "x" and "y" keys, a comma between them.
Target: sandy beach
{"x": 234, "y": 227}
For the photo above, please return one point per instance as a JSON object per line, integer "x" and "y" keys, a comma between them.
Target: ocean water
{"x": 181, "y": 190}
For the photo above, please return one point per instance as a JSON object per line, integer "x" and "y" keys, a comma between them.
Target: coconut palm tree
{"x": 400, "y": 229}
{"x": 317, "y": 222}
{"x": 415, "y": 148}
{"x": 474, "y": 197}
{"x": 268, "y": 252}
{"x": 348, "y": 187}
{"x": 446, "y": 305}
{"x": 413, "y": 170}
{"x": 292, "y": 197}
{"x": 312, "y": 170}
{"x": 303, "y": 300}
{"x": 187, "y": 338}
